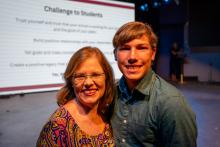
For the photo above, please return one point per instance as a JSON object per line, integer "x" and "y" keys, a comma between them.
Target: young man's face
{"x": 134, "y": 59}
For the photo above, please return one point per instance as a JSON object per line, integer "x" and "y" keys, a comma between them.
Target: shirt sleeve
{"x": 177, "y": 123}
{"x": 52, "y": 134}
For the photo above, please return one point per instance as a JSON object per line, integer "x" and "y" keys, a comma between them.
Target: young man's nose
{"x": 132, "y": 56}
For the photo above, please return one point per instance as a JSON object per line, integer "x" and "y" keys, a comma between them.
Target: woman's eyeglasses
{"x": 80, "y": 78}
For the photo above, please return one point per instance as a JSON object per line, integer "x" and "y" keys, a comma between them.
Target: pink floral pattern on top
{"x": 62, "y": 131}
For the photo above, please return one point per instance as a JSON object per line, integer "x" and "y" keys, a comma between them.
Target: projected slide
{"x": 37, "y": 39}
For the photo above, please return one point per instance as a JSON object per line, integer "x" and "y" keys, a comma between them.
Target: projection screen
{"x": 37, "y": 39}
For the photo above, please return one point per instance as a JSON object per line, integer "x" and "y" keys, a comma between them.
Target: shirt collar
{"x": 143, "y": 86}
{"x": 126, "y": 94}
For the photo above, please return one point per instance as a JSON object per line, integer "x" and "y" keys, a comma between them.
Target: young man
{"x": 148, "y": 111}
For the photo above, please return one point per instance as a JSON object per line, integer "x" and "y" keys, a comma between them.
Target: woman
{"x": 84, "y": 113}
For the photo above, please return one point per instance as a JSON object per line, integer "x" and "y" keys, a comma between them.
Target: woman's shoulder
{"x": 57, "y": 129}
{"x": 61, "y": 116}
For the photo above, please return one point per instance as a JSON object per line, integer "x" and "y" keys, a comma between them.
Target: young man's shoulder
{"x": 166, "y": 89}
{"x": 168, "y": 97}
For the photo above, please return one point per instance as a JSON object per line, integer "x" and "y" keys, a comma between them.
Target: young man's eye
{"x": 143, "y": 47}
{"x": 124, "y": 48}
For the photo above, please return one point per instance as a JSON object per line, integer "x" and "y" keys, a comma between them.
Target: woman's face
{"x": 89, "y": 82}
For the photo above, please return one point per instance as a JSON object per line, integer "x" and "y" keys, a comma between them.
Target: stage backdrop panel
{"x": 37, "y": 39}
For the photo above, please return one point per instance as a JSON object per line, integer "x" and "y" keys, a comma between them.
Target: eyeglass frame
{"x": 85, "y": 76}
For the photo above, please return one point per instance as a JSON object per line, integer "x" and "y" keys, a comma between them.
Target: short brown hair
{"x": 134, "y": 30}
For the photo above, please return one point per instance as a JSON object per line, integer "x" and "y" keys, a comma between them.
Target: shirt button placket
{"x": 124, "y": 123}
{"x": 123, "y": 140}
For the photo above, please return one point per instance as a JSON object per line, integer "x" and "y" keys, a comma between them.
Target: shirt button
{"x": 123, "y": 140}
{"x": 124, "y": 121}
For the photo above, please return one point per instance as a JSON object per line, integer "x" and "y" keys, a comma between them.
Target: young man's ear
{"x": 154, "y": 54}
{"x": 115, "y": 50}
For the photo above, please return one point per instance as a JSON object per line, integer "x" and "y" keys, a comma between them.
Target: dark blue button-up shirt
{"x": 154, "y": 114}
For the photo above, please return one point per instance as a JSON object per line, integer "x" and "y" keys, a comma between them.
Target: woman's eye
{"x": 81, "y": 76}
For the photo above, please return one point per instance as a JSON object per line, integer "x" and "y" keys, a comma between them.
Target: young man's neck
{"x": 131, "y": 84}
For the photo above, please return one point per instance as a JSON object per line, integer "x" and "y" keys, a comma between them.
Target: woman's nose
{"x": 88, "y": 81}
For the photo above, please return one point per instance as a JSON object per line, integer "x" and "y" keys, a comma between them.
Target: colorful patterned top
{"x": 62, "y": 131}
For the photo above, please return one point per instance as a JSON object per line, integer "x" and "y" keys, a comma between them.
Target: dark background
{"x": 194, "y": 25}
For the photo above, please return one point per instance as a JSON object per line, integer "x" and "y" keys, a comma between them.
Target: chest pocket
{"x": 141, "y": 123}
